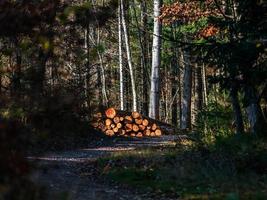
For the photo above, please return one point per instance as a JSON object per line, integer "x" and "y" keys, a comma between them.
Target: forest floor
{"x": 74, "y": 174}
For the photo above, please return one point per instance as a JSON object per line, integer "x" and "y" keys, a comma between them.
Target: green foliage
{"x": 214, "y": 122}
{"x": 194, "y": 27}
{"x": 13, "y": 112}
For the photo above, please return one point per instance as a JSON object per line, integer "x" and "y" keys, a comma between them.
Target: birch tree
{"x": 129, "y": 58}
{"x": 120, "y": 59}
{"x": 156, "y": 58}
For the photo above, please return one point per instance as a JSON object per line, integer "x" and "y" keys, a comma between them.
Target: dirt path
{"x": 61, "y": 172}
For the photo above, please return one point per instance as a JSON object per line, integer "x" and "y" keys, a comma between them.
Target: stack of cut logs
{"x": 120, "y": 123}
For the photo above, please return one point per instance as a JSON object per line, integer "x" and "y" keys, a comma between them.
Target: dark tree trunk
{"x": 16, "y": 76}
{"x": 187, "y": 93}
{"x": 87, "y": 76}
{"x": 39, "y": 75}
{"x": 174, "y": 92}
{"x": 237, "y": 110}
{"x": 199, "y": 88}
{"x": 175, "y": 81}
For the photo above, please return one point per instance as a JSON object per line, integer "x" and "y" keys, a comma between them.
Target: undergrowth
{"x": 238, "y": 171}
{"x": 221, "y": 165}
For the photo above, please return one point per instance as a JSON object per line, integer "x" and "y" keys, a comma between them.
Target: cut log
{"x": 121, "y": 132}
{"x": 108, "y": 122}
{"x": 158, "y": 132}
{"x": 128, "y": 119}
{"x": 127, "y": 124}
{"x": 110, "y": 132}
{"x": 119, "y": 125}
{"x": 135, "y": 115}
{"x": 154, "y": 127}
{"x": 116, "y": 130}
{"x": 138, "y": 121}
{"x": 135, "y": 128}
{"x": 139, "y": 134}
{"x": 147, "y": 132}
{"x": 132, "y": 134}
{"x": 116, "y": 120}
{"x": 145, "y": 122}
{"x": 110, "y": 113}
{"x": 142, "y": 127}
{"x": 129, "y": 127}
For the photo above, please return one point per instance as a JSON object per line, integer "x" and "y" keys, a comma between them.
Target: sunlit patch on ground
{"x": 62, "y": 159}
{"x": 110, "y": 149}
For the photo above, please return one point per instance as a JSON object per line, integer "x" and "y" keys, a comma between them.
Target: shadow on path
{"x": 60, "y": 171}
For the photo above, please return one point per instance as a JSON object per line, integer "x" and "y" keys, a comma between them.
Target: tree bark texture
{"x": 187, "y": 93}
{"x": 129, "y": 58}
{"x": 156, "y": 58}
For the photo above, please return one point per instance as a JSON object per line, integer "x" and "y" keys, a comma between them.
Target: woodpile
{"x": 121, "y": 123}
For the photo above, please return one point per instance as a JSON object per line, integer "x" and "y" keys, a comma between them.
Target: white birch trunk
{"x": 102, "y": 71}
{"x": 156, "y": 57}
{"x": 120, "y": 59}
{"x": 129, "y": 59}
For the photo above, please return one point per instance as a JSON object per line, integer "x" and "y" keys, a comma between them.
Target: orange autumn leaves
{"x": 209, "y": 31}
{"x": 189, "y": 12}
